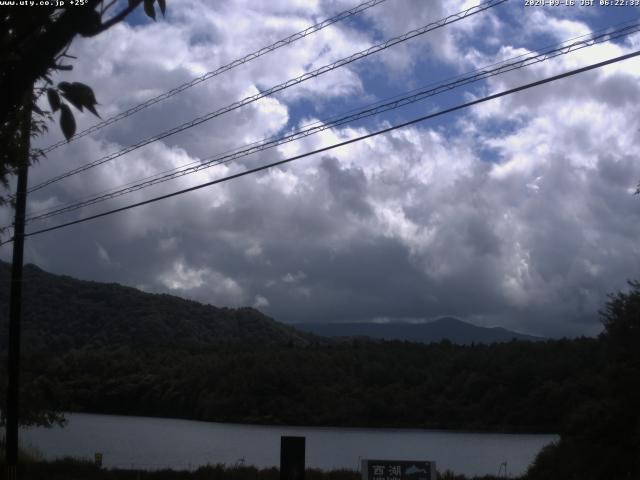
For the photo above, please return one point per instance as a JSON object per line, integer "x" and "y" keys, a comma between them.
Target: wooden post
{"x": 292, "y": 462}
{"x": 15, "y": 302}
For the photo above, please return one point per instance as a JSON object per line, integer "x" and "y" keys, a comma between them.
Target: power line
{"x": 515, "y": 63}
{"x": 327, "y": 68}
{"x": 289, "y": 83}
{"x": 225, "y": 68}
{"x": 341, "y": 144}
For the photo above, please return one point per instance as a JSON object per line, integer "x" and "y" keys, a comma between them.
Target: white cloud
{"x": 294, "y": 277}
{"x": 206, "y": 283}
{"x": 260, "y": 302}
{"x": 517, "y": 212}
{"x": 184, "y": 278}
{"x": 105, "y": 258}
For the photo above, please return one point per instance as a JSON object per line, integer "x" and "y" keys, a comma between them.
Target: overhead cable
{"x": 518, "y": 62}
{"x": 341, "y": 144}
{"x": 289, "y": 83}
{"x": 224, "y": 68}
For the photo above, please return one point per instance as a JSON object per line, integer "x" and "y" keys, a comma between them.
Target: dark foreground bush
{"x": 448, "y": 475}
{"x": 73, "y": 469}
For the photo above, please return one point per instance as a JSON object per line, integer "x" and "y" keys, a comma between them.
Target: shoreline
{"x": 322, "y": 427}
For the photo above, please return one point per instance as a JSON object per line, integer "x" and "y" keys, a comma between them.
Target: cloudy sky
{"x": 518, "y": 212}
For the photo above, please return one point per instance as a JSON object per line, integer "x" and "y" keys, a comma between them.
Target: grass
{"x": 74, "y": 469}
{"x": 26, "y": 454}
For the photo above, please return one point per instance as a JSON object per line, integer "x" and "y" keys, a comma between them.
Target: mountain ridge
{"x": 63, "y": 313}
{"x": 444, "y": 328}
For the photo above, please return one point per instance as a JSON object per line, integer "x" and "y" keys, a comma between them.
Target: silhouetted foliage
{"x": 601, "y": 438}
{"x": 517, "y": 386}
{"x": 72, "y": 469}
{"x": 33, "y": 45}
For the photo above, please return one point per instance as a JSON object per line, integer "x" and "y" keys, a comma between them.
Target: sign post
{"x": 292, "y": 460}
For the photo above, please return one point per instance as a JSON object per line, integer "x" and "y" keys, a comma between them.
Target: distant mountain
{"x": 446, "y": 328}
{"x": 62, "y": 313}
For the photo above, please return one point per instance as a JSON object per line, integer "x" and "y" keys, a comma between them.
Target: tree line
{"x": 517, "y": 386}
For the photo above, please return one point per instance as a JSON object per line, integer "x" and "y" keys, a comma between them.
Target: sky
{"x": 518, "y": 212}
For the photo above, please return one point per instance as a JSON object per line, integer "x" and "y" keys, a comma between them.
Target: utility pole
{"x": 15, "y": 310}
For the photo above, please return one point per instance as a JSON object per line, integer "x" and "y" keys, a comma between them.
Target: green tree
{"x": 621, "y": 319}
{"x": 34, "y": 44}
{"x": 601, "y": 438}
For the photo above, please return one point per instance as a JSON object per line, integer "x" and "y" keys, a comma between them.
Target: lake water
{"x": 152, "y": 443}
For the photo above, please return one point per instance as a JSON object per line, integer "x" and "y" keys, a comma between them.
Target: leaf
{"x": 67, "y": 122}
{"x": 79, "y": 95}
{"x": 149, "y": 9}
{"x": 93, "y": 110}
{"x": 86, "y": 92}
{"x": 73, "y": 100}
{"x": 64, "y": 86}
{"x": 89, "y": 24}
{"x": 54, "y": 99}
{"x": 163, "y": 6}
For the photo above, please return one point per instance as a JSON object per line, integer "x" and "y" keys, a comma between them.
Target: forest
{"x": 517, "y": 386}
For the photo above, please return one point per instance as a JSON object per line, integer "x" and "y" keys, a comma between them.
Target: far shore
{"x": 514, "y": 431}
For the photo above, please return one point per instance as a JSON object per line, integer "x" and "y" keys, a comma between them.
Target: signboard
{"x": 398, "y": 470}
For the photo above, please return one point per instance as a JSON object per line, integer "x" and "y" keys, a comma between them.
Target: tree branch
{"x": 116, "y": 18}
{"x": 105, "y": 8}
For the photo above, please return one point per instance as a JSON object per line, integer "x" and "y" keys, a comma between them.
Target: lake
{"x": 152, "y": 443}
